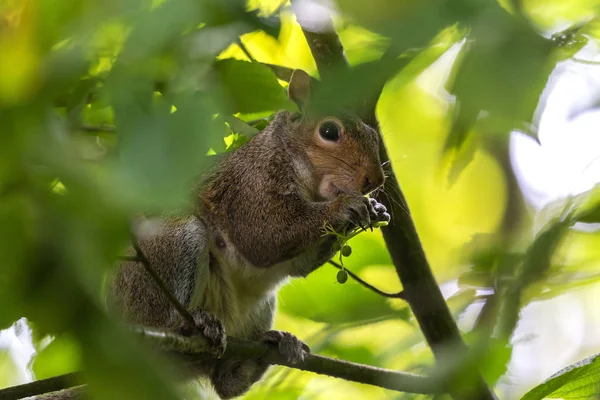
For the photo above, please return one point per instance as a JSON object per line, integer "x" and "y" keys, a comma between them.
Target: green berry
{"x": 336, "y": 246}
{"x": 342, "y": 276}
{"x": 346, "y": 251}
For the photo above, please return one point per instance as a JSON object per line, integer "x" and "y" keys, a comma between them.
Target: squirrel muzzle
{"x": 371, "y": 180}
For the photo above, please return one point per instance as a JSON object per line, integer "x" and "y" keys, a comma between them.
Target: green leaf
{"x": 495, "y": 363}
{"x": 588, "y": 210}
{"x": 151, "y": 35}
{"x": 116, "y": 357}
{"x": 502, "y": 70}
{"x": 61, "y": 356}
{"x": 160, "y": 152}
{"x": 577, "y": 381}
{"x": 410, "y": 24}
{"x": 460, "y": 146}
{"x": 17, "y": 215}
{"x": 504, "y": 67}
{"x": 238, "y": 126}
{"x": 249, "y": 87}
{"x": 9, "y": 373}
{"x": 535, "y": 266}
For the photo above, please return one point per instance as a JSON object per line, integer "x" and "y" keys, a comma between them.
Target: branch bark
{"x": 401, "y": 237}
{"x": 193, "y": 350}
{"x": 42, "y": 386}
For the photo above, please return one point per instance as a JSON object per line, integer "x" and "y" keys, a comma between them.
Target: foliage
{"x": 110, "y": 108}
{"x": 577, "y": 381}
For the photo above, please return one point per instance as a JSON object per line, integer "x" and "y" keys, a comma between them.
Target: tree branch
{"x": 193, "y": 350}
{"x": 402, "y": 240}
{"x": 325, "y": 45}
{"x": 42, "y": 386}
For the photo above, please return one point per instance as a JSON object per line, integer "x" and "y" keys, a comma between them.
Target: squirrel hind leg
{"x": 233, "y": 378}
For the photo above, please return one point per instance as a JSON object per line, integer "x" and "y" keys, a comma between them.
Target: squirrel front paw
{"x": 209, "y": 326}
{"x": 378, "y": 212}
{"x": 289, "y": 346}
{"x": 356, "y": 209}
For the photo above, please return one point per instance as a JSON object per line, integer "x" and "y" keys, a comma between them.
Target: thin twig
{"x": 399, "y": 295}
{"x": 141, "y": 257}
{"x": 97, "y": 128}
{"x": 193, "y": 350}
{"x": 283, "y": 73}
{"x": 245, "y": 50}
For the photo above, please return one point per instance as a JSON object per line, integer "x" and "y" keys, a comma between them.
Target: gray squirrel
{"x": 258, "y": 220}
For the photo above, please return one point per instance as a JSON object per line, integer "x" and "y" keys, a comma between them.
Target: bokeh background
{"x": 61, "y": 51}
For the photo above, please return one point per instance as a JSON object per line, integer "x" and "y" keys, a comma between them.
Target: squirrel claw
{"x": 378, "y": 212}
{"x": 289, "y": 346}
{"x": 209, "y": 326}
{"x": 359, "y": 214}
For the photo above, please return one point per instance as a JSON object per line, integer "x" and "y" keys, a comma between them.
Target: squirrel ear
{"x": 299, "y": 88}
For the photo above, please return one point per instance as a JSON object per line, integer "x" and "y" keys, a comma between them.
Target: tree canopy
{"x": 111, "y": 108}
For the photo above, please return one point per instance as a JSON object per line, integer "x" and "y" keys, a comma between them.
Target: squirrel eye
{"x": 330, "y": 131}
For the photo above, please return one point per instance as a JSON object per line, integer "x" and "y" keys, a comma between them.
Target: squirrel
{"x": 257, "y": 220}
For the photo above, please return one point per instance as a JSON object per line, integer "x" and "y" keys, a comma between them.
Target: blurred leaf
{"x": 410, "y": 24}
{"x": 17, "y": 214}
{"x": 160, "y": 152}
{"x": 538, "y": 255}
{"x": 250, "y": 87}
{"x": 577, "y": 381}
{"x": 133, "y": 371}
{"x": 571, "y": 40}
{"x": 350, "y": 87}
{"x": 535, "y": 266}
{"x": 61, "y": 356}
{"x": 150, "y": 36}
{"x": 459, "y": 301}
{"x": 224, "y": 12}
{"x": 8, "y": 370}
{"x": 234, "y": 141}
{"x": 588, "y": 206}
{"x": 320, "y": 298}
{"x": 269, "y": 24}
{"x": 495, "y": 363}
{"x": 421, "y": 59}
{"x": 560, "y": 284}
{"x": 460, "y": 146}
{"x": 239, "y": 126}
{"x": 502, "y": 70}
{"x": 489, "y": 262}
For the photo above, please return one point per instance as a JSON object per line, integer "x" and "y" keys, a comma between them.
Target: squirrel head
{"x": 343, "y": 150}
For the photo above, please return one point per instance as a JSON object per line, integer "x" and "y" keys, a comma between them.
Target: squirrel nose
{"x": 371, "y": 181}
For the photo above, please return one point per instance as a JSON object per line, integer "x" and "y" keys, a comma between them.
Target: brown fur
{"x": 281, "y": 170}
{"x": 258, "y": 220}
